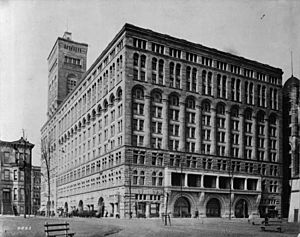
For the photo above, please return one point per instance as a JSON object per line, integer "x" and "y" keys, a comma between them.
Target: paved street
{"x": 92, "y": 227}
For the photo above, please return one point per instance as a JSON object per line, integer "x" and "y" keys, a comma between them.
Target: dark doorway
{"x": 213, "y": 208}
{"x": 241, "y": 209}
{"x": 296, "y": 213}
{"x": 182, "y": 208}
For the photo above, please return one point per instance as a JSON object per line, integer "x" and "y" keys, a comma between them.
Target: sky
{"x": 262, "y": 30}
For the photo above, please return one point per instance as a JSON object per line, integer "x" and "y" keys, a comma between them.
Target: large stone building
{"x": 159, "y": 124}
{"x": 15, "y": 166}
{"x": 291, "y": 149}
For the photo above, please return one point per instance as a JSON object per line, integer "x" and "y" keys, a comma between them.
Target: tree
{"x": 46, "y": 158}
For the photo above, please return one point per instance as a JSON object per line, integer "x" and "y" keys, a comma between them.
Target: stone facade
{"x": 159, "y": 124}
{"x": 291, "y": 181}
{"x": 12, "y": 191}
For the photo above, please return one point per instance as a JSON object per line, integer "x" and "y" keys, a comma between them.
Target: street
{"x": 93, "y": 227}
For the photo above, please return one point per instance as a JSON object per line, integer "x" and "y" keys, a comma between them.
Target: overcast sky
{"x": 265, "y": 31}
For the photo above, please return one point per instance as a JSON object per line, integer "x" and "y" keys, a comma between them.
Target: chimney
{"x": 67, "y": 35}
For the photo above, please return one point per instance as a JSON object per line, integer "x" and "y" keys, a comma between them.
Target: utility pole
{"x": 129, "y": 174}
{"x": 230, "y": 185}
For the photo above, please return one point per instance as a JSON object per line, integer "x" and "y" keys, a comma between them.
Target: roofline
{"x": 199, "y": 46}
{"x": 89, "y": 70}
{"x": 69, "y": 41}
{"x": 17, "y": 142}
{"x": 128, "y": 26}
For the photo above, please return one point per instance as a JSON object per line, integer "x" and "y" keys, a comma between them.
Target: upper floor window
{"x": 158, "y": 48}
{"x": 176, "y": 53}
{"x": 190, "y": 103}
{"x": 139, "y": 43}
{"x": 191, "y": 57}
{"x": 207, "y": 83}
{"x": 221, "y": 65}
{"x": 206, "y": 61}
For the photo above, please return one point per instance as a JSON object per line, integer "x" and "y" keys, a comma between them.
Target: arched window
{"x": 153, "y": 178}
{"x": 190, "y": 103}
{"x": 188, "y": 78}
{"x": 172, "y": 81}
{"x": 178, "y": 75}
{"x": 136, "y": 60}
{"x": 119, "y": 94}
{"x": 154, "y": 64}
{"x": 157, "y": 98}
{"x": 161, "y": 72}
{"x": 194, "y": 80}
{"x": 143, "y": 61}
{"x": 138, "y": 94}
{"x": 135, "y": 177}
{"x": 174, "y": 100}
{"x": 160, "y": 179}
{"x": 105, "y": 104}
{"x": 71, "y": 82}
{"x": 142, "y": 178}
{"x": 221, "y": 109}
{"x": 205, "y": 106}
{"x": 235, "y": 112}
{"x": 248, "y": 114}
{"x": 272, "y": 119}
{"x": 261, "y": 117}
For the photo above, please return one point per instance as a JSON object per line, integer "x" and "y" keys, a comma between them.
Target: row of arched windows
{"x": 224, "y": 90}
{"x": 228, "y": 129}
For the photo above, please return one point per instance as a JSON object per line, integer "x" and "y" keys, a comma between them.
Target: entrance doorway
{"x": 213, "y": 208}
{"x": 296, "y": 213}
{"x": 241, "y": 209}
{"x": 182, "y": 207}
{"x": 140, "y": 209}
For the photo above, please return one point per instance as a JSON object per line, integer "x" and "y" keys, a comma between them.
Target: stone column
{"x": 228, "y": 134}
{"x": 185, "y": 180}
{"x": 198, "y": 132}
{"x": 147, "y": 210}
{"x": 217, "y": 182}
{"x": 254, "y": 129}
{"x": 202, "y": 181}
{"x": 182, "y": 125}
{"x": 213, "y": 135}
{"x": 245, "y": 184}
{"x": 242, "y": 134}
{"x": 165, "y": 125}
{"x": 267, "y": 138}
{"x": 147, "y": 111}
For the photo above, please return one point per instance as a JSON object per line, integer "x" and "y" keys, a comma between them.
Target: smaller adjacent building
{"x": 16, "y": 184}
{"x": 291, "y": 149}
{"x": 36, "y": 189}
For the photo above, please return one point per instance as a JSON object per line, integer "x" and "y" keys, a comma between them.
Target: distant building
{"x": 161, "y": 124}
{"x": 35, "y": 189}
{"x": 291, "y": 149}
{"x": 15, "y": 166}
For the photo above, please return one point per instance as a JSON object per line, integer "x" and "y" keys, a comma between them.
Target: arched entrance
{"x": 241, "y": 209}
{"x": 182, "y": 207}
{"x": 100, "y": 207}
{"x": 80, "y": 207}
{"x": 213, "y": 208}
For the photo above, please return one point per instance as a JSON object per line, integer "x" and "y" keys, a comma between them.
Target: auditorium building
{"x": 158, "y": 124}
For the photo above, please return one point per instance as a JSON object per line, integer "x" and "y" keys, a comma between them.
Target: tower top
{"x": 67, "y": 35}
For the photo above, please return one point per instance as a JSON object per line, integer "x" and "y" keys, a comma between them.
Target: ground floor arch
{"x": 213, "y": 208}
{"x": 241, "y": 209}
{"x": 101, "y": 207}
{"x": 80, "y": 206}
{"x": 182, "y": 207}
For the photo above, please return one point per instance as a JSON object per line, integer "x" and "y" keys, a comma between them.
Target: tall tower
{"x": 66, "y": 66}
